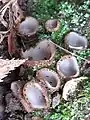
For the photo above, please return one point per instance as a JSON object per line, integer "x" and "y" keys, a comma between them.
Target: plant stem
{"x": 67, "y": 51}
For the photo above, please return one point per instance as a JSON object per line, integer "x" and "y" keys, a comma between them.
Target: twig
{"x": 67, "y": 51}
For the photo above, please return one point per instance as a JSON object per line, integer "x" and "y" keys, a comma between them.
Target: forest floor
{"x": 72, "y": 16}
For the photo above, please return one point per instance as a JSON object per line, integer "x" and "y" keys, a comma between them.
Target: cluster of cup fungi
{"x": 36, "y": 94}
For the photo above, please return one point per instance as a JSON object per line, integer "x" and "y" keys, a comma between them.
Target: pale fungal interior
{"x": 49, "y": 77}
{"x": 75, "y": 41}
{"x": 35, "y": 97}
{"x": 43, "y": 51}
{"x": 28, "y": 26}
{"x": 69, "y": 67}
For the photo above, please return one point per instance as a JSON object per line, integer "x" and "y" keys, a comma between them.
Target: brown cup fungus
{"x": 28, "y": 27}
{"x": 75, "y": 41}
{"x": 52, "y": 25}
{"x": 36, "y": 95}
{"x": 68, "y": 67}
{"x": 50, "y": 78}
{"x": 27, "y": 30}
{"x": 41, "y": 55}
{"x": 33, "y": 96}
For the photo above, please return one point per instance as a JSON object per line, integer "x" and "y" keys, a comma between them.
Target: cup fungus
{"x": 41, "y": 55}
{"x": 52, "y": 25}
{"x": 68, "y": 67}
{"x": 75, "y": 41}
{"x": 28, "y": 27}
{"x": 32, "y": 95}
{"x": 50, "y": 77}
{"x": 36, "y": 95}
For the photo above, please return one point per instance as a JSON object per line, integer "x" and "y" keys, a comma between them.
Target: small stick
{"x": 69, "y": 52}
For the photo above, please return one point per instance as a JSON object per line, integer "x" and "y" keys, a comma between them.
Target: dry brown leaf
{"x": 2, "y": 19}
{"x": 3, "y": 11}
{"x": 7, "y": 65}
{"x": 4, "y": 1}
{"x": 1, "y": 38}
{"x": 13, "y": 7}
{"x": 3, "y": 34}
{"x": 17, "y": 12}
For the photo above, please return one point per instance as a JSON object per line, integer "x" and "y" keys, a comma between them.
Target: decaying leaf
{"x": 3, "y": 34}
{"x": 7, "y": 65}
{"x": 17, "y": 12}
{"x": 5, "y": 1}
{"x": 12, "y": 8}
